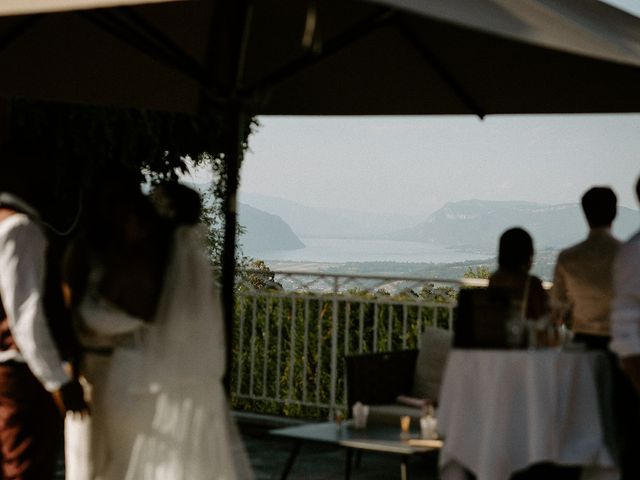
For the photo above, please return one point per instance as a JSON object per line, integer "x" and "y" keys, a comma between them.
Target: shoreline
{"x": 543, "y": 267}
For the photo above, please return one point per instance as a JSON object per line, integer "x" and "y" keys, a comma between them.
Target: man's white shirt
{"x": 22, "y": 282}
{"x": 625, "y": 314}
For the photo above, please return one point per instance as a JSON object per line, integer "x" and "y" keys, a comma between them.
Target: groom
{"x": 36, "y": 387}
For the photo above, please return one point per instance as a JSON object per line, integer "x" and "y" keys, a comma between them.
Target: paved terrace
{"x": 269, "y": 454}
{"x": 321, "y": 462}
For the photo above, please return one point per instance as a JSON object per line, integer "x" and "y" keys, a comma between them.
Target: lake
{"x": 341, "y": 250}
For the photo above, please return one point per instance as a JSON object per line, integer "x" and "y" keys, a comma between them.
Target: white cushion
{"x": 434, "y": 348}
{"x": 390, "y": 414}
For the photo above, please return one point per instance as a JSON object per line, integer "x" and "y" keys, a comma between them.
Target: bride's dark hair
{"x": 177, "y": 203}
{"x": 129, "y": 241}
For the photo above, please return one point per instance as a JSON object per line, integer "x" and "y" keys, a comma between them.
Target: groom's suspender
{"x": 6, "y": 339}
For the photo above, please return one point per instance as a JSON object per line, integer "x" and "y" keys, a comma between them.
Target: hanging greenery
{"x": 86, "y": 140}
{"x": 84, "y": 144}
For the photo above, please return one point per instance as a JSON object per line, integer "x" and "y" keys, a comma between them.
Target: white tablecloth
{"x": 501, "y": 411}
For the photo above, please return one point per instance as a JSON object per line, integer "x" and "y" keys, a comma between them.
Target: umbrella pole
{"x": 233, "y": 159}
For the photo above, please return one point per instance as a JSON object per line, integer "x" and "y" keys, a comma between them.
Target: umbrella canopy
{"x": 20, "y": 7}
{"x": 326, "y": 56}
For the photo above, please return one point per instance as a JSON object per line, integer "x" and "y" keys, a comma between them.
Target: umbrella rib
{"x": 244, "y": 45}
{"x": 329, "y": 48}
{"x": 171, "y": 46}
{"x": 124, "y": 31}
{"x": 441, "y": 70}
{"x": 13, "y": 33}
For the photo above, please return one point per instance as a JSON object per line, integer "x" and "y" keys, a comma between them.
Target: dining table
{"x": 503, "y": 411}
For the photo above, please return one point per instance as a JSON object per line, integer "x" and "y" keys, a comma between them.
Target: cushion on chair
{"x": 434, "y": 348}
{"x": 390, "y": 414}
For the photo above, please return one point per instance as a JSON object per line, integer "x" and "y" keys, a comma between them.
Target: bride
{"x": 159, "y": 408}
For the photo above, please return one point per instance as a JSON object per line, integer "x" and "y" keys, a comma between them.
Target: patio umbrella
{"x": 322, "y": 57}
{"x": 319, "y": 57}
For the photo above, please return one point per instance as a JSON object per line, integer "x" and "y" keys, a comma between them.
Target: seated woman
{"x": 515, "y": 257}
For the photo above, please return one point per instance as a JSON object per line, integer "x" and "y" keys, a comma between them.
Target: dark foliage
{"x": 85, "y": 144}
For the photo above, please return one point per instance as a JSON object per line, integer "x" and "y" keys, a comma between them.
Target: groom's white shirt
{"x": 22, "y": 277}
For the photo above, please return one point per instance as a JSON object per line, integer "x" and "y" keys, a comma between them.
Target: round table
{"x": 504, "y": 410}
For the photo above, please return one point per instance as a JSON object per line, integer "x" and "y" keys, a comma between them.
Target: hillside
{"x": 265, "y": 232}
{"x": 477, "y": 224}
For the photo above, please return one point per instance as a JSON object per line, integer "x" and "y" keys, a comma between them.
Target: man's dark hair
{"x": 515, "y": 249}
{"x": 638, "y": 189}
{"x": 599, "y": 206}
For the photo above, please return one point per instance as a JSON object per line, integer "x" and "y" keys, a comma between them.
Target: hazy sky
{"x": 416, "y": 164}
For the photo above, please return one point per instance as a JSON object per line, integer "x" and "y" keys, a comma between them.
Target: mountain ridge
{"x": 471, "y": 225}
{"x": 479, "y": 223}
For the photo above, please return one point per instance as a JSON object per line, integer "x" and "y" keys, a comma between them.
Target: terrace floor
{"x": 269, "y": 454}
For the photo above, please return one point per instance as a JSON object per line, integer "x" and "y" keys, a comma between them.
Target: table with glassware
{"x": 502, "y": 411}
{"x": 373, "y": 438}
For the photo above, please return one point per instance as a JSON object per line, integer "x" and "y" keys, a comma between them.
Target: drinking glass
{"x": 515, "y": 330}
{"x": 338, "y": 417}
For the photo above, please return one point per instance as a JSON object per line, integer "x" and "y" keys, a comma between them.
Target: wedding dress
{"x": 163, "y": 408}
{"x": 100, "y": 327}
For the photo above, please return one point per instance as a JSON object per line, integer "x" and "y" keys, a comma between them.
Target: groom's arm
{"x": 22, "y": 280}
{"x": 22, "y": 274}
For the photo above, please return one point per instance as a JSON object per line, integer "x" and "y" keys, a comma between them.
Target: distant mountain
{"x": 265, "y": 232}
{"x": 330, "y": 223}
{"x": 477, "y": 224}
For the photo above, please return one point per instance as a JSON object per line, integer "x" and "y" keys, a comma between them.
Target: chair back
{"x": 435, "y": 344}
{"x": 481, "y": 318}
{"x": 378, "y": 378}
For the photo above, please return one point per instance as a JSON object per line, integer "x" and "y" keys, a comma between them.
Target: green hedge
{"x": 313, "y": 362}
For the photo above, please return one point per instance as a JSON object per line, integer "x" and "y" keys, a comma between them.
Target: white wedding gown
{"x": 164, "y": 410}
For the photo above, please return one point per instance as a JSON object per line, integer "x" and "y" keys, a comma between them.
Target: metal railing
{"x": 293, "y": 329}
